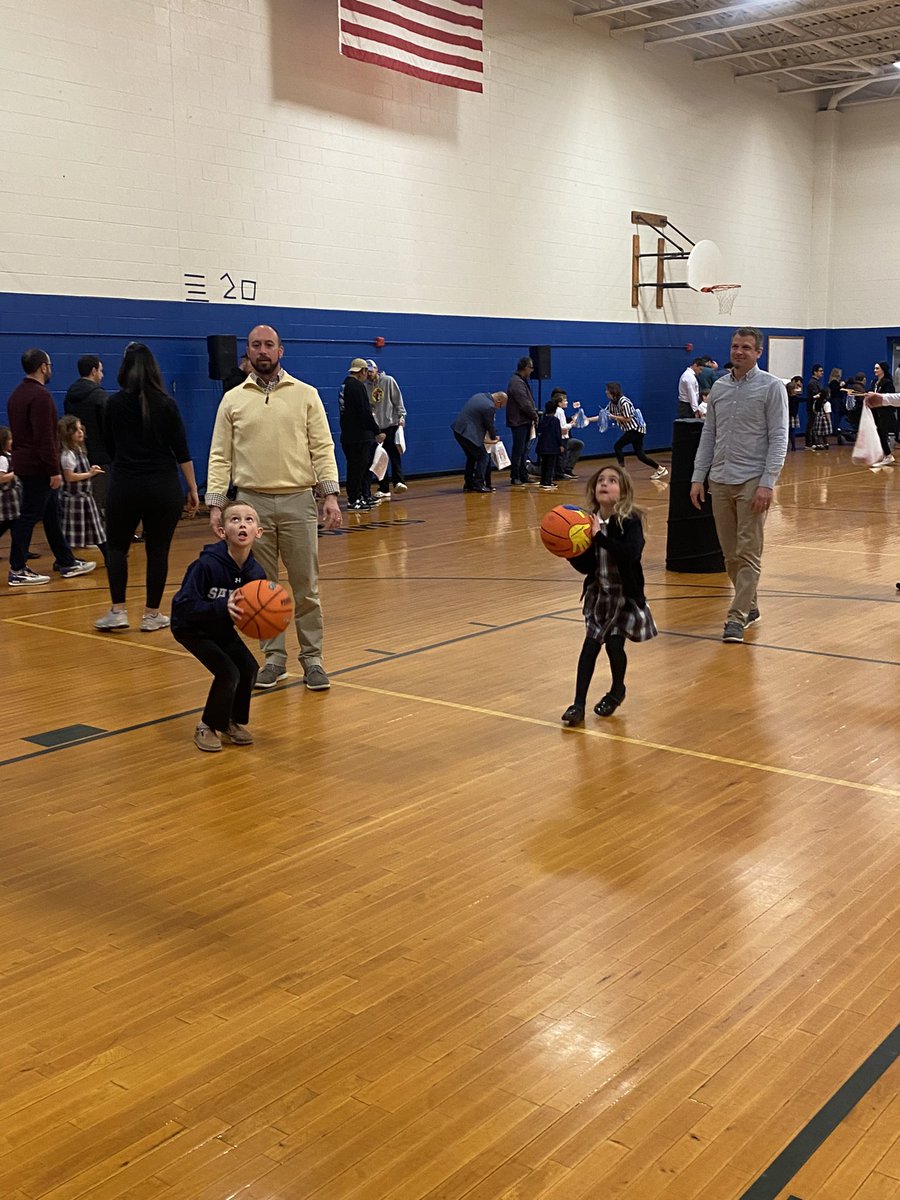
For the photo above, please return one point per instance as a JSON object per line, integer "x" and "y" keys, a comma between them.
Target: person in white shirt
{"x": 689, "y": 390}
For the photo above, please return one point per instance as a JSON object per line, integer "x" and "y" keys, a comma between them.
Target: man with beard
{"x": 271, "y": 437}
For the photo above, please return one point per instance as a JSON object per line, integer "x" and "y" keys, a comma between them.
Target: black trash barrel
{"x": 692, "y": 546}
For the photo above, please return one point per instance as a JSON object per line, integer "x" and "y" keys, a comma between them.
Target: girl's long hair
{"x": 5, "y": 438}
{"x": 140, "y": 375}
{"x": 625, "y": 505}
{"x": 66, "y": 430}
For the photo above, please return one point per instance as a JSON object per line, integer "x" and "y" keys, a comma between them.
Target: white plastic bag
{"x": 868, "y": 444}
{"x": 400, "y": 439}
{"x": 579, "y": 421}
{"x": 499, "y": 457}
{"x": 603, "y": 420}
{"x": 379, "y": 462}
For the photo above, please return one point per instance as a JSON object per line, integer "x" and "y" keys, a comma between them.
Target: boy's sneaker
{"x": 238, "y": 735}
{"x": 26, "y": 578}
{"x": 111, "y": 620}
{"x": 378, "y": 497}
{"x": 400, "y": 487}
{"x": 315, "y": 678}
{"x": 549, "y": 487}
{"x": 78, "y": 567}
{"x": 207, "y": 739}
{"x": 660, "y": 473}
{"x": 753, "y": 617}
{"x": 269, "y": 675}
{"x": 733, "y": 632}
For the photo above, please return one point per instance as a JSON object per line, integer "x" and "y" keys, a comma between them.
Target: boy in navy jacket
{"x": 203, "y": 614}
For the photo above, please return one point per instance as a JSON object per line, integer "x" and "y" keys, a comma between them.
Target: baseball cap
{"x": 358, "y": 364}
{"x": 371, "y": 364}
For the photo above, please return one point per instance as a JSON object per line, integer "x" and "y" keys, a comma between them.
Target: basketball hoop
{"x": 725, "y": 293}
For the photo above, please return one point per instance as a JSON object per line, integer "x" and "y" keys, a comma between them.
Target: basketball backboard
{"x": 704, "y": 265}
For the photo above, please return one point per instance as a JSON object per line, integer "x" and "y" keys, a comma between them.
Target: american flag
{"x": 437, "y": 40}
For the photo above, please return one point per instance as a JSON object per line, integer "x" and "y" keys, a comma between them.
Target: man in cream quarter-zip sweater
{"x": 271, "y": 438}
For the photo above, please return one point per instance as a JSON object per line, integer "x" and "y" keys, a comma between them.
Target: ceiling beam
{"x": 815, "y": 65}
{"x": 760, "y": 20}
{"x": 581, "y": 18}
{"x": 757, "y": 51}
{"x": 848, "y": 85}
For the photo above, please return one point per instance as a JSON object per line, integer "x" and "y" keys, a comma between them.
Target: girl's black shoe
{"x": 608, "y": 705}
{"x": 574, "y": 715}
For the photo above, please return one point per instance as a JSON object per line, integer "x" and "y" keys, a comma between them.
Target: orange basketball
{"x": 267, "y": 608}
{"x": 566, "y": 531}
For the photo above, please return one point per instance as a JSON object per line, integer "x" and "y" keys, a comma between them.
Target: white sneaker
{"x": 661, "y": 473}
{"x": 26, "y": 578}
{"x": 79, "y": 567}
{"x": 400, "y": 487}
{"x": 150, "y": 622}
{"x": 111, "y": 620}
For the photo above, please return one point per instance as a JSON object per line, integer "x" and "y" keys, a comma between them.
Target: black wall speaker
{"x": 222, "y": 350}
{"x": 540, "y": 356}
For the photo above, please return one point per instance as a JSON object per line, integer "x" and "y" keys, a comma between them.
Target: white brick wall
{"x": 143, "y": 140}
{"x": 865, "y": 249}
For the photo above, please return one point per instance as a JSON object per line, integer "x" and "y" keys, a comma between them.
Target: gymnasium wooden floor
{"x": 422, "y": 942}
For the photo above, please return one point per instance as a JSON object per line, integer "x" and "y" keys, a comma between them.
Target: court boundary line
{"x": 540, "y": 722}
{"x": 801, "y": 1148}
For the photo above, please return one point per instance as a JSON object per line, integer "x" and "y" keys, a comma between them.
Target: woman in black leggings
{"x": 145, "y": 437}
{"x": 623, "y": 412}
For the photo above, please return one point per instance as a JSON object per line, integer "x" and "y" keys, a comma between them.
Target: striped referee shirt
{"x": 624, "y": 408}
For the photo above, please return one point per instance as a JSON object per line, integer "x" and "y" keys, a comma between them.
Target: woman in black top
{"x": 885, "y": 418}
{"x": 145, "y": 437}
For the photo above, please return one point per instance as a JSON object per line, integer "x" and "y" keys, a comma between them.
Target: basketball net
{"x": 725, "y": 293}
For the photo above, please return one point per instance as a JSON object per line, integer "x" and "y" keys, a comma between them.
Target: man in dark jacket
{"x": 35, "y": 460}
{"x": 520, "y": 416}
{"x": 475, "y": 424}
{"x": 359, "y": 435}
{"x": 87, "y": 401}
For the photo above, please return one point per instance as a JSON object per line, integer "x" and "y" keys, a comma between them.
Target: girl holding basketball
{"x": 614, "y": 604}
{"x": 203, "y": 615}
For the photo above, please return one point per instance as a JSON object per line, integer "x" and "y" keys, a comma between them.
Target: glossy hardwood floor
{"x": 422, "y": 942}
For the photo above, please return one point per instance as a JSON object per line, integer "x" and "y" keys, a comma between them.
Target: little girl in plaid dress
{"x": 614, "y": 604}
{"x": 10, "y": 488}
{"x": 79, "y": 515}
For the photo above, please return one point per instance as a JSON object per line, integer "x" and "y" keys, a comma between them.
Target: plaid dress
{"x": 79, "y": 515}
{"x": 606, "y": 608}
{"x": 10, "y": 493}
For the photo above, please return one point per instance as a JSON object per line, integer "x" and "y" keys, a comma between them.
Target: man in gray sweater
{"x": 742, "y": 449}
{"x": 390, "y": 414}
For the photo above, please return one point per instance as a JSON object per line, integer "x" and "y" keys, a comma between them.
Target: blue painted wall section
{"x": 439, "y": 361}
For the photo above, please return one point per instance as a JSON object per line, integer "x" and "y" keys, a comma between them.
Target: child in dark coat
{"x": 614, "y": 604}
{"x": 203, "y": 615}
{"x": 549, "y": 444}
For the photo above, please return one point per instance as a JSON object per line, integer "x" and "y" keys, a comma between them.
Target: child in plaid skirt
{"x": 613, "y": 600}
{"x": 10, "y": 488}
{"x": 79, "y": 516}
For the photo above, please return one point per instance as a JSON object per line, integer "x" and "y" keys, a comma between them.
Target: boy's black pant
{"x": 233, "y": 668}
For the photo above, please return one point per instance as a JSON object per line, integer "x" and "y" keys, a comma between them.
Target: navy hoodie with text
{"x": 201, "y": 603}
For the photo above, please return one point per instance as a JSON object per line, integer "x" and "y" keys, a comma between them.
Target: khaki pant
{"x": 740, "y": 531}
{"x": 290, "y": 525}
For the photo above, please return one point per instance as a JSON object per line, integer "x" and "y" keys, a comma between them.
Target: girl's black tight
{"x": 587, "y": 661}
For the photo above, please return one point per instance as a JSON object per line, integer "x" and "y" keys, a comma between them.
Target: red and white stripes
{"x": 437, "y": 40}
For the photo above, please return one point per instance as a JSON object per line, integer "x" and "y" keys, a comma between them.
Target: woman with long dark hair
{"x": 885, "y": 418}
{"x": 145, "y": 437}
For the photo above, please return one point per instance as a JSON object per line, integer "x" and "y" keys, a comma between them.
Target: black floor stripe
{"x": 798, "y": 1152}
